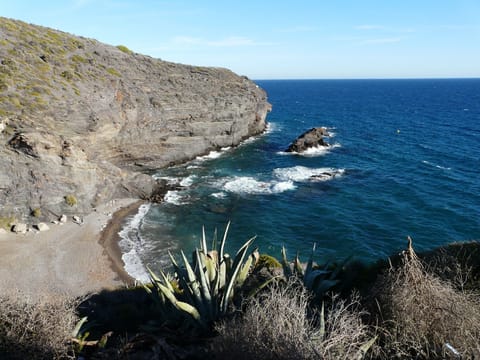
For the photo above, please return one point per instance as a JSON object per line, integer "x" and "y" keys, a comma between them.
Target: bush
{"x": 424, "y": 316}
{"x": 277, "y": 325}
{"x": 36, "y": 330}
{"x": 71, "y": 200}
{"x": 37, "y": 212}
{"x": 124, "y": 49}
{"x": 6, "y": 222}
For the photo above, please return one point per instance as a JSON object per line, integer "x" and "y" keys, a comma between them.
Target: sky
{"x": 301, "y": 39}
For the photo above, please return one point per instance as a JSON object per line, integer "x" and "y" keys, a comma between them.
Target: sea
{"x": 403, "y": 160}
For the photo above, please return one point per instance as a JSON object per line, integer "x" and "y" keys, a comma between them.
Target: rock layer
{"x": 89, "y": 121}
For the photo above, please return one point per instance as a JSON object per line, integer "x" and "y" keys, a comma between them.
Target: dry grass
{"x": 36, "y": 330}
{"x": 421, "y": 314}
{"x": 277, "y": 325}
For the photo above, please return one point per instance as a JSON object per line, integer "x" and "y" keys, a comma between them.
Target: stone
{"x": 77, "y": 219}
{"x": 62, "y": 219}
{"x": 309, "y": 139}
{"x": 42, "y": 227}
{"x": 20, "y": 228}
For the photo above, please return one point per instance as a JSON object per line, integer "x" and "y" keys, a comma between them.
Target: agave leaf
{"x": 314, "y": 276}
{"x": 222, "y": 244}
{"x": 193, "y": 283}
{"x": 340, "y": 267}
{"x": 309, "y": 267}
{"x": 211, "y": 269}
{"x": 78, "y": 326}
{"x": 286, "y": 266}
{"x": 364, "y": 348}
{"x": 324, "y": 286}
{"x": 207, "y": 299}
{"x": 202, "y": 266}
{"x": 204, "y": 241}
{"x": 242, "y": 275}
{"x": 228, "y": 294}
{"x": 189, "y": 309}
{"x": 297, "y": 266}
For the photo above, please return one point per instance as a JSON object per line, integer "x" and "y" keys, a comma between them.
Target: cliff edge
{"x": 82, "y": 122}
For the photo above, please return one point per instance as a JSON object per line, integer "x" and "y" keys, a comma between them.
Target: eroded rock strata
{"x": 89, "y": 120}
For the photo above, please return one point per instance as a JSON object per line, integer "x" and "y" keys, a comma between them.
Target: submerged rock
{"x": 314, "y": 137}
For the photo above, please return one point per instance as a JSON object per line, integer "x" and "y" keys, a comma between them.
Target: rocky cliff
{"x": 82, "y": 122}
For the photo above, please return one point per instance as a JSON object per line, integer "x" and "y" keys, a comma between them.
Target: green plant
{"x": 203, "y": 289}
{"x": 37, "y": 212}
{"x": 114, "y": 72}
{"x": 124, "y": 49}
{"x": 316, "y": 278}
{"x": 71, "y": 200}
{"x": 6, "y": 222}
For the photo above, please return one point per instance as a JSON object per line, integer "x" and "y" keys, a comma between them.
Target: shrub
{"x": 6, "y": 222}
{"x": 36, "y": 330}
{"x": 276, "y": 325}
{"x": 37, "y": 212}
{"x": 124, "y": 49}
{"x": 424, "y": 316}
{"x": 113, "y": 72}
{"x": 71, "y": 200}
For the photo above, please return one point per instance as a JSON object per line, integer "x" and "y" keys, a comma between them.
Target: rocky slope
{"x": 85, "y": 121}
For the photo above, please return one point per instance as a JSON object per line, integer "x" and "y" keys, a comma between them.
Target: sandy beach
{"x": 69, "y": 259}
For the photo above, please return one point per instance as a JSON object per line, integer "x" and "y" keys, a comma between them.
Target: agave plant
{"x": 317, "y": 279}
{"x": 203, "y": 289}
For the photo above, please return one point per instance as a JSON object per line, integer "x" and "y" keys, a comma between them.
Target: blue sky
{"x": 281, "y": 39}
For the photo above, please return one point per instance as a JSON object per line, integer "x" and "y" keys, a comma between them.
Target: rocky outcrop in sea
{"x": 82, "y": 122}
{"x": 312, "y": 138}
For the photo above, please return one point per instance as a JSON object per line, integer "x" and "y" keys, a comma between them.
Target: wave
{"x": 435, "y": 165}
{"x": 174, "y": 197}
{"x": 131, "y": 243}
{"x": 250, "y": 185}
{"x": 189, "y": 180}
{"x": 302, "y": 173}
{"x": 313, "y": 151}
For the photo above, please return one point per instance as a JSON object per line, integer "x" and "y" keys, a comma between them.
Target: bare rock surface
{"x": 314, "y": 137}
{"x": 90, "y": 120}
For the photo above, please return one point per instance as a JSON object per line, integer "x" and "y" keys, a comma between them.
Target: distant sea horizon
{"x": 403, "y": 160}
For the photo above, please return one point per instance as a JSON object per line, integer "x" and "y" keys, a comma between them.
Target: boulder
{"x": 62, "y": 219}
{"x": 314, "y": 137}
{"x": 42, "y": 227}
{"x": 20, "y": 228}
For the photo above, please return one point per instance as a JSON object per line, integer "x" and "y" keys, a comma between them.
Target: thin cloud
{"x": 380, "y": 41}
{"x": 298, "y": 29}
{"x": 369, "y": 27}
{"x": 232, "y": 41}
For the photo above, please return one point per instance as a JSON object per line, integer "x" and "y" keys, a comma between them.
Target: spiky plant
{"x": 202, "y": 289}
{"x": 318, "y": 279}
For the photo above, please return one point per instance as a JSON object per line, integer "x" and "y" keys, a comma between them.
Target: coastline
{"x": 68, "y": 259}
{"x": 109, "y": 240}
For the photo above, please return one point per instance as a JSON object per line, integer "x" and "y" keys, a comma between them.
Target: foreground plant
{"x": 202, "y": 290}
{"x": 318, "y": 279}
{"x": 280, "y": 324}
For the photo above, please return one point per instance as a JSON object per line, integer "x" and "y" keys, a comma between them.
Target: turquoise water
{"x": 406, "y": 160}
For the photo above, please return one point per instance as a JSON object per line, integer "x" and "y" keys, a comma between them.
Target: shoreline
{"x": 72, "y": 259}
{"x": 109, "y": 240}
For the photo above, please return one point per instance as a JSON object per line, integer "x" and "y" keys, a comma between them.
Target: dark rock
{"x": 314, "y": 137}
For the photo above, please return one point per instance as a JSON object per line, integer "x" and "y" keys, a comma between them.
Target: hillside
{"x": 81, "y": 118}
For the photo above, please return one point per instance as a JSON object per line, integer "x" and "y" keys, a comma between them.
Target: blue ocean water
{"x": 406, "y": 160}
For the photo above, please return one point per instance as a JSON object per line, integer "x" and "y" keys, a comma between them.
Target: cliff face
{"x": 81, "y": 118}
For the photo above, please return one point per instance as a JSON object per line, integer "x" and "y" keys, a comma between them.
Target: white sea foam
{"x": 174, "y": 197}
{"x": 313, "y": 151}
{"x": 435, "y": 165}
{"x": 131, "y": 244}
{"x": 189, "y": 180}
{"x": 250, "y": 185}
{"x": 211, "y": 155}
{"x": 302, "y": 173}
{"x": 171, "y": 180}
{"x": 219, "y": 195}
